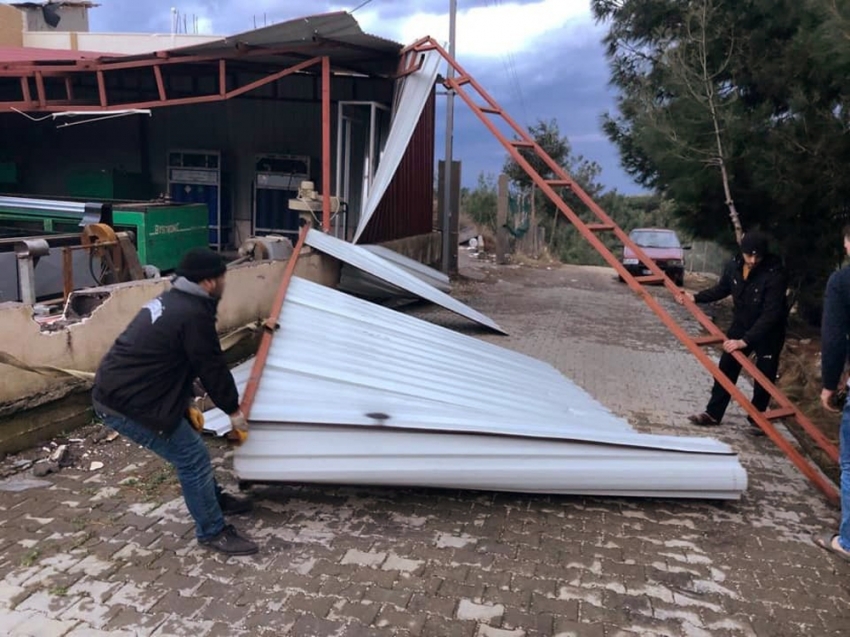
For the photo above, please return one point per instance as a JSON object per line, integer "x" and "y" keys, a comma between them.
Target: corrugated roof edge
{"x": 337, "y": 25}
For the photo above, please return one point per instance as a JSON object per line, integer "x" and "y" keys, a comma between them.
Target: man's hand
{"x": 239, "y": 432}
{"x": 196, "y": 418}
{"x": 733, "y": 345}
{"x": 680, "y": 298}
{"x": 826, "y": 399}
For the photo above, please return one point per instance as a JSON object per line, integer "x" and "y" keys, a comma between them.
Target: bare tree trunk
{"x": 708, "y": 85}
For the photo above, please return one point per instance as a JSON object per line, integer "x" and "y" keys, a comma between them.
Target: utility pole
{"x": 447, "y": 165}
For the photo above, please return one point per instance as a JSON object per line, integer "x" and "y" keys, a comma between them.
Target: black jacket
{"x": 835, "y": 327}
{"x": 760, "y": 309}
{"x": 147, "y": 375}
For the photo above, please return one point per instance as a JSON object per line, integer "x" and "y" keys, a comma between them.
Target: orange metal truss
{"x": 270, "y": 326}
{"x": 486, "y": 108}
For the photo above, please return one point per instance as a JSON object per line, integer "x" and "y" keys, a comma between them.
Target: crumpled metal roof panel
{"x": 360, "y": 283}
{"x": 353, "y": 392}
{"x": 365, "y": 260}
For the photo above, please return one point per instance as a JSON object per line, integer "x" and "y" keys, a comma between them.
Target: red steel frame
{"x": 28, "y": 70}
{"x": 523, "y": 140}
{"x": 270, "y": 326}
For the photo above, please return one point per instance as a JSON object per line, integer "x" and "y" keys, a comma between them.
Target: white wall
{"x": 120, "y": 43}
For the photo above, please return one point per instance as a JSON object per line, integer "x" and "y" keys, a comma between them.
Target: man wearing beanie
{"x": 757, "y": 282}
{"x": 143, "y": 390}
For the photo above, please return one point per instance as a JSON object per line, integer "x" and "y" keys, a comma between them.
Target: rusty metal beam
{"x": 523, "y": 140}
{"x": 222, "y": 77}
{"x": 39, "y": 89}
{"x": 25, "y": 91}
{"x": 101, "y": 89}
{"x": 160, "y": 84}
{"x": 69, "y": 89}
{"x": 53, "y": 106}
{"x": 273, "y": 78}
{"x": 270, "y": 327}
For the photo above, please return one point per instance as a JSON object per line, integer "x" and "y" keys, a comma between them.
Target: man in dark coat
{"x": 143, "y": 390}
{"x": 835, "y": 330}
{"x": 757, "y": 282}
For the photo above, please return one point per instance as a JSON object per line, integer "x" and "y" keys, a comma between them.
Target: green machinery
{"x": 164, "y": 231}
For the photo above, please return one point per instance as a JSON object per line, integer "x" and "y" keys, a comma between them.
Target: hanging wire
{"x": 360, "y": 6}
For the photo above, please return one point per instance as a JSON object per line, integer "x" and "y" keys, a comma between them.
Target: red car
{"x": 660, "y": 245}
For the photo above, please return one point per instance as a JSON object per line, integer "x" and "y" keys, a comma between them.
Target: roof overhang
{"x": 296, "y": 46}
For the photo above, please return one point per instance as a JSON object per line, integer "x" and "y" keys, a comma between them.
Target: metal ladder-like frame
{"x": 488, "y": 110}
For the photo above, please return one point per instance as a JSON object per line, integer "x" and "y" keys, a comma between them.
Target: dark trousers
{"x": 767, "y": 362}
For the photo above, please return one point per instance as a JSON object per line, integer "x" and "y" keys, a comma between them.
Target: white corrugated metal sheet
{"x": 412, "y": 94}
{"x": 360, "y": 283}
{"x": 334, "y": 455}
{"x": 365, "y": 260}
{"x": 421, "y": 271}
{"x": 353, "y": 392}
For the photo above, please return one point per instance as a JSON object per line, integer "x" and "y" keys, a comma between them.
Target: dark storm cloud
{"x": 562, "y": 75}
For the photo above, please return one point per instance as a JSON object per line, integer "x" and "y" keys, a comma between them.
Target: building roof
{"x": 59, "y": 3}
{"x": 23, "y": 54}
{"x": 336, "y": 35}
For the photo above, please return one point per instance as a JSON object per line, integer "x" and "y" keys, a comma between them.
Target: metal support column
{"x": 326, "y": 144}
{"x": 446, "y": 222}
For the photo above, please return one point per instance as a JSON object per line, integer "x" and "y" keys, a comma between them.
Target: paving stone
{"x": 393, "y": 617}
{"x": 552, "y": 565}
{"x": 400, "y": 599}
{"x": 308, "y": 626}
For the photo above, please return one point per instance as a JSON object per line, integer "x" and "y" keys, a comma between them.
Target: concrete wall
{"x": 123, "y": 43}
{"x": 425, "y": 248}
{"x": 71, "y": 19}
{"x": 248, "y": 297}
{"x": 11, "y": 26}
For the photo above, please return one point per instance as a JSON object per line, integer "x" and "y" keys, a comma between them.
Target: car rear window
{"x": 655, "y": 239}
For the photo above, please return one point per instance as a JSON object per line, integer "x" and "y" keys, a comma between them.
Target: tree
{"x": 740, "y": 102}
{"x": 564, "y": 240}
{"x": 480, "y": 203}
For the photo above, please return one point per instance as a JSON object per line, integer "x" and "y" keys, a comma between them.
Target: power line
{"x": 360, "y": 6}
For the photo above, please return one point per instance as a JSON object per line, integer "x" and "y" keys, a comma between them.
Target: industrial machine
{"x": 43, "y": 268}
{"x": 195, "y": 176}
{"x": 276, "y": 181}
{"x": 308, "y": 205}
{"x": 163, "y": 231}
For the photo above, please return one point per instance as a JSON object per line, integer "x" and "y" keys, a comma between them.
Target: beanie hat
{"x": 755, "y": 243}
{"x": 199, "y": 264}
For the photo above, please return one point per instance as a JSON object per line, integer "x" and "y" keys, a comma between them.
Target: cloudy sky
{"x": 540, "y": 59}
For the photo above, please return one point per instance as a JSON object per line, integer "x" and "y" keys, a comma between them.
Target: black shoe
{"x": 754, "y": 430}
{"x": 231, "y": 505}
{"x": 703, "y": 420}
{"x": 230, "y": 542}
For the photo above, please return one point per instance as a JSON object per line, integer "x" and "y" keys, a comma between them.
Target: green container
{"x": 164, "y": 232}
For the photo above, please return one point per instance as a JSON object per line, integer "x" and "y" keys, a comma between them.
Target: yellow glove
{"x": 239, "y": 432}
{"x": 196, "y": 418}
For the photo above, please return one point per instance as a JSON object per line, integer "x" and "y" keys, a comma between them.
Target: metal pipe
{"x": 326, "y": 144}
{"x": 447, "y": 168}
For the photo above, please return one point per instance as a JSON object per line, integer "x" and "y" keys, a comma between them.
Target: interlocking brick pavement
{"x": 111, "y": 552}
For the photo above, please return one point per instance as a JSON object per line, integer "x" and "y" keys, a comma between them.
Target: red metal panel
{"x": 407, "y": 208}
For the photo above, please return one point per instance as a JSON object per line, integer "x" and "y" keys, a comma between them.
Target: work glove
{"x": 196, "y": 418}
{"x": 239, "y": 428}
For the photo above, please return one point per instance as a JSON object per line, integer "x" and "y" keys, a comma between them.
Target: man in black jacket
{"x": 143, "y": 390}
{"x": 835, "y": 330}
{"x": 757, "y": 282}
